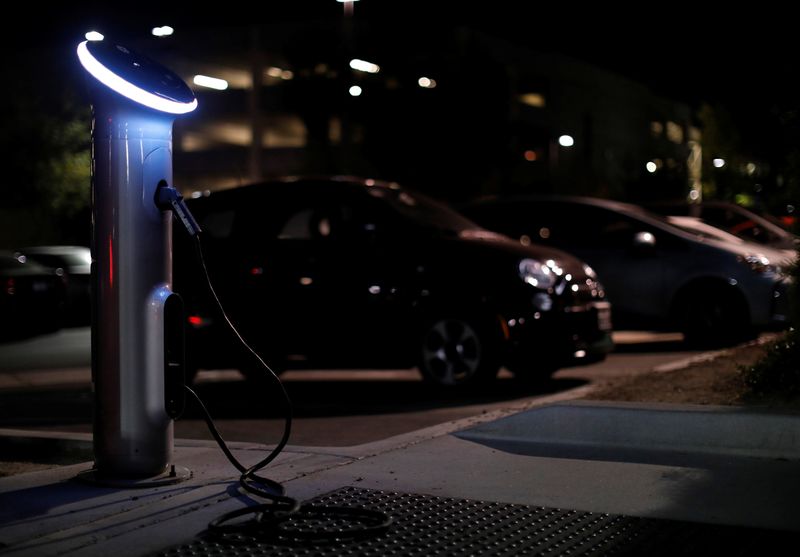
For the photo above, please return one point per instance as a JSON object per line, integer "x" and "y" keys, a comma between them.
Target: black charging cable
{"x": 283, "y": 516}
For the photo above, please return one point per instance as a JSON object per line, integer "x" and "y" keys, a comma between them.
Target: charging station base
{"x": 173, "y": 475}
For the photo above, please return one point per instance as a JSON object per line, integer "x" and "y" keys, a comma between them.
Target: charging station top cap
{"x": 136, "y": 77}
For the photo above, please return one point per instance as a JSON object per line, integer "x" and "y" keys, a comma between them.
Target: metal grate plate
{"x": 426, "y": 526}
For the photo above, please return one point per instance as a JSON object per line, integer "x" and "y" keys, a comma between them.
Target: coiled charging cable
{"x": 283, "y": 515}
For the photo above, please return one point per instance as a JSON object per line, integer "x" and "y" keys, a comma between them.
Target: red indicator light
{"x": 195, "y": 320}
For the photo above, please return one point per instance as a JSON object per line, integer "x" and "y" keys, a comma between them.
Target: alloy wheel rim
{"x": 451, "y": 351}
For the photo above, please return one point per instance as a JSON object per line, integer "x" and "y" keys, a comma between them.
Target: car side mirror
{"x": 644, "y": 242}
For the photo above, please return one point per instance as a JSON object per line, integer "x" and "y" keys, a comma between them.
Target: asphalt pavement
{"x": 551, "y": 475}
{"x": 331, "y": 407}
{"x": 566, "y": 466}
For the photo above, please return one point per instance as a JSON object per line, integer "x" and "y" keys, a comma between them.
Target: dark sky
{"x": 653, "y": 41}
{"x": 747, "y": 58}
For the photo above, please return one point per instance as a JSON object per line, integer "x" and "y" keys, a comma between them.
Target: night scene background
{"x": 456, "y": 102}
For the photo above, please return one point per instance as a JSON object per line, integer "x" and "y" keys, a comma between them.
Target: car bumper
{"x": 780, "y": 303}
{"x": 578, "y": 334}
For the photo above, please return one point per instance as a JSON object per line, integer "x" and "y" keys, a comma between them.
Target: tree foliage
{"x": 45, "y": 141}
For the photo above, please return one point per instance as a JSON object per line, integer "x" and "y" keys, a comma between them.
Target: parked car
{"x": 656, "y": 275}
{"x": 735, "y": 219}
{"x": 75, "y": 264}
{"x": 781, "y": 257}
{"x": 345, "y": 272}
{"x": 31, "y": 298}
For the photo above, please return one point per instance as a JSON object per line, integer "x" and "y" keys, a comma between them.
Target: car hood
{"x": 492, "y": 241}
{"x": 780, "y": 257}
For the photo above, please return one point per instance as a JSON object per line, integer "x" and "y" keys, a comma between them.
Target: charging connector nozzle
{"x": 167, "y": 198}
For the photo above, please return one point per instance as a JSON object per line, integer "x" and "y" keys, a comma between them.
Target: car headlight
{"x": 536, "y": 274}
{"x": 759, "y": 264}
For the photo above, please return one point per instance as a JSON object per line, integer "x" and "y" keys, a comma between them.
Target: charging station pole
{"x": 137, "y": 325}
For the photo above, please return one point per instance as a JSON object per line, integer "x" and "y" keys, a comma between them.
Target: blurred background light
{"x": 566, "y": 141}
{"x": 651, "y": 167}
{"x": 210, "y": 82}
{"x": 535, "y": 100}
{"x": 718, "y": 163}
{"x": 355, "y": 91}
{"x": 163, "y": 31}
{"x": 364, "y": 66}
{"x": 94, "y": 36}
{"x": 426, "y": 83}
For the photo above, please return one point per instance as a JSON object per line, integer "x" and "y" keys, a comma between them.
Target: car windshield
{"x": 424, "y": 210}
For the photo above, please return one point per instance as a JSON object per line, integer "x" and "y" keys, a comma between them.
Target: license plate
{"x": 603, "y": 316}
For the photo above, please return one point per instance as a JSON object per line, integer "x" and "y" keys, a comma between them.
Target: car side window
{"x": 517, "y": 222}
{"x": 297, "y": 226}
{"x": 366, "y": 218}
{"x": 311, "y": 223}
{"x": 578, "y": 226}
{"x": 552, "y": 224}
{"x": 343, "y": 217}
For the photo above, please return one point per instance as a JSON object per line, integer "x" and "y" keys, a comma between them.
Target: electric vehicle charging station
{"x": 137, "y": 322}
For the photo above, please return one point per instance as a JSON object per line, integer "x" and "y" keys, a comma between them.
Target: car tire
{"x": 459, "y": 352}
{"x": 714, "y": 319}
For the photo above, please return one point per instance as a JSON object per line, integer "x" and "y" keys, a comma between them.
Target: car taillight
{"x": 197, "y": 321}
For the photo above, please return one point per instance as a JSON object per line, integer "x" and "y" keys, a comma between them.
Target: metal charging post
{"x": 137, "y": 327}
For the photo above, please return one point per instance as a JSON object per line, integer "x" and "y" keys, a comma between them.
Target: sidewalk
{"x": 553, "y": 478}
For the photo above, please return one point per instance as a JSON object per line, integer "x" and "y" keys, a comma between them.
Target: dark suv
{"x": 344, "y": 272}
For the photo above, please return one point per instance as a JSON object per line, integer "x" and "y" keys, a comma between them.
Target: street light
{"x": 426, "y": 82}
{"x": 364, "y": 66}
{"x": 566, "y": 141}
{"x": 163, "y": 31}
{"x": 210, "y": 82}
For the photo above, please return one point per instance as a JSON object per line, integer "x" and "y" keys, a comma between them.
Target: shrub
{"x": 779, "y": 370}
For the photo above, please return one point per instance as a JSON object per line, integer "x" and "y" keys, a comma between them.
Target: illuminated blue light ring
{"x": 128, "y": 89}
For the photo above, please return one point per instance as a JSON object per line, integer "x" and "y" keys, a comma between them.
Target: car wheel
{"x": 712, "y": 319}
{"x": 458, "y": 352}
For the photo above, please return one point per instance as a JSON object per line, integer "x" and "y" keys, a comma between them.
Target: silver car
{"x": 657, "y": 275}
